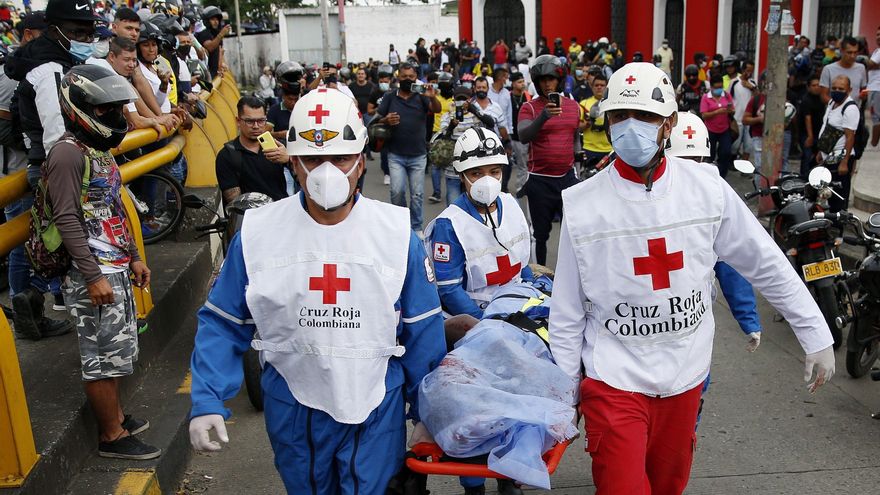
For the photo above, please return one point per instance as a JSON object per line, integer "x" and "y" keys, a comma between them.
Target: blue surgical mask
{"x": 717, "y": 91}
{"x": 383, "y": 86}
{"x": 81, "y": 51}
{"x": 579, "y": 72}
{"x": 838, "y": 96}
{"x": 634, "y": 141}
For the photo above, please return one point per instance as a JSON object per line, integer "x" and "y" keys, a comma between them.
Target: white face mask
{"x": 484, "y": 190}
{"x": 327, "y": 185}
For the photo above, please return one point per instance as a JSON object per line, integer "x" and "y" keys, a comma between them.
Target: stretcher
{"x": 428, "y": 458}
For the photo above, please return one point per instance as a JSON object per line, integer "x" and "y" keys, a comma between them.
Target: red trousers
{"x": 639, "y": 445}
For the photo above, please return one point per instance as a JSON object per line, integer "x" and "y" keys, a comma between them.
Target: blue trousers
{"x": 315, "y": 455}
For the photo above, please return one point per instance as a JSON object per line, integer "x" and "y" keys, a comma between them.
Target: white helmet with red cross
{"x": 326, "y": 122}
{"x": 689, "y": 137}
{"x": 639, "y": 86}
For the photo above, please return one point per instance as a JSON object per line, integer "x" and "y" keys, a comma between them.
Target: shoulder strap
{"x": 235, "y": 155}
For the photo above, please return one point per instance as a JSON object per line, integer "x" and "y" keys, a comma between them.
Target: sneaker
{"x": 434, "y": 198}
{"x": 475, "y": 490}
{"x": 54, "y": 328}
{"x": 25, "y": 317}
{"x": 387, "y": 180}
{"x": 128, "y": 447}
{"x": 58, "y": 305}
{"x": 508, "y": 487}
{"x": 134, "y": 425}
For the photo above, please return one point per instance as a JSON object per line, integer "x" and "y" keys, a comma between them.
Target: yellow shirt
{"x": 172, "y": 82}
{"x": 446, "y": 105}
{"x": 594, "y": 140}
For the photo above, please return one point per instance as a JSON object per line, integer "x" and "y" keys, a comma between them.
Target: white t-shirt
{"x": 665, "y": 59}
{"x": 835, "y": 117}
{"x": 874, "y": 75}
{"x": 104, "y": 63}
{"x": 741, "y": 97}
{"x": 153, "y": 79}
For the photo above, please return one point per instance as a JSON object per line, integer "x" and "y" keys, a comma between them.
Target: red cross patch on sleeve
{"x": 441, "y": 252}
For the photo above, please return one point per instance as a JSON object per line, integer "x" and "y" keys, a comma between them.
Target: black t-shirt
{"x": 581, "y": 91}
{"x": 422, "y": 55}
{"x": 249, "y": 171}
{"x": 812, "y": 105}
{"x": 213, "y": 57}
{"x": 279, "y": 117}
{"x": 408, "y": 137}
{"x": 362, "y": 94}
{"x": 516, "y": 102}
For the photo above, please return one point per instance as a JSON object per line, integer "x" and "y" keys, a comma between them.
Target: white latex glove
{"x": 420, "y": 434}
{"x": 754, "y": 341}
{"x": 199, "y": 432}
{"x": 824, "y": 361}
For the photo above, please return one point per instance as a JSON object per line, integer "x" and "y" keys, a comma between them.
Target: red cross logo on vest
{"x": 630, "y": 80}
{"x": 505, "y": 272}
{"x": 329, "y": 284}
{"x": 658, "y": 263}
{"x": 319, "y": 113}
{"x": 689, "y": 132}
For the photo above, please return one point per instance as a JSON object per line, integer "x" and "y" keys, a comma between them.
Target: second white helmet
{"x": 689, "y": 138}
{"x": 640, "y": 86}
{"x": 477, "y": 147}
{"x": 326, "y": 122}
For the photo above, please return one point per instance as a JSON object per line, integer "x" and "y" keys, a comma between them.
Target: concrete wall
{"x": 369, "y": 31}
{"x": 257, "y": 50}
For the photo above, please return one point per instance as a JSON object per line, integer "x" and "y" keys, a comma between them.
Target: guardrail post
{"x": 200, "y": 151}
{"x": 18, "y": 455}
{"x": 226, "y": 113}
{"x": 142, "y": 296}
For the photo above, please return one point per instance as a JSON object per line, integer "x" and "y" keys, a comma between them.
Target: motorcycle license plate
{"x": 822, "y": 269}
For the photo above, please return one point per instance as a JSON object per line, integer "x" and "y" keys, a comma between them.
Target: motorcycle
{"x": 809, "y": 243}
{"x": 226, "y": 227}
{"x": 863, "y": 310}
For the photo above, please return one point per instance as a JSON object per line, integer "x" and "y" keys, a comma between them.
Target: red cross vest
{"x": 645, "y": 261}
{"x": 322, "y": 298}
{"x": 487, "y": 264}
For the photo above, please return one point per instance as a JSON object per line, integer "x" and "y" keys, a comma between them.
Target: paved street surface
{"x": 761, "y": 431}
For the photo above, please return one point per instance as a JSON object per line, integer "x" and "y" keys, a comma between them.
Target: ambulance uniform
{"x": 632, "y": 308}
{"x": 349, "y": 323}
{"x": 470, "y": 263}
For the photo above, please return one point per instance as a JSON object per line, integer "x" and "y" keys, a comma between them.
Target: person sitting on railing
{"x": 94, "y": 231}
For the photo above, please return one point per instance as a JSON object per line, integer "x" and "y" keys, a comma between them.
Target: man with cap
{"x": 348, "y": 316}
{"x": 632, "y": 295}
{"x": 38, "y": 66}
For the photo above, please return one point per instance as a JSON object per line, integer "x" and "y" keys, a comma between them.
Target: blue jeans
{"x": 436, "y": 175}
{"x": 408, "y": 170}
{"x": 383, "y": 161}
{"x": 719, "y": 146}
{"x": 453, "y": 189}
{"x": 20, "y": 276}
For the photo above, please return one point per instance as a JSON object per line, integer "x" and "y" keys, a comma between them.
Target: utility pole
{"x": 342, "y": 54}
{"x": 325, "y": 30}
{"x": 238, "y": 32}
{"x": 778, "y": 29}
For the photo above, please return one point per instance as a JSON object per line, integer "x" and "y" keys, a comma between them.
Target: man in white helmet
{"x": 632, "y": 295}
{"x": 480, "y": 242}
{"x": 349, "y": 319}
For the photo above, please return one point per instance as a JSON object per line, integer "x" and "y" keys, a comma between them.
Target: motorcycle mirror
{"x": 874, "y": 220}
{"x": 744, "y": 166}
{"x": 193, "y": 201}
{"x": 819, "y": 177}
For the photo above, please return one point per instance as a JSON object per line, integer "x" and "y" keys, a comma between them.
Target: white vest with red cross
{"x": 322, "y": 298}
{"x": 645, "y": 261}
{"x": 487, "y": 264}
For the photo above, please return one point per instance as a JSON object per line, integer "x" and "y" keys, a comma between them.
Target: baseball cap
{"x": 35, "y": 20}
{"x": 71, "y": 10}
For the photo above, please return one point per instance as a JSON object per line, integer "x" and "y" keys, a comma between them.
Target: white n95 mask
{"x": 485, "y": 190}
{"x": 327, "y": 185}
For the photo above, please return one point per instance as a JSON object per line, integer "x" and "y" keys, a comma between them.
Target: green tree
{"x": 256, "y": 11}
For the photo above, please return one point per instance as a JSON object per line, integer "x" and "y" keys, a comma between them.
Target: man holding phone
{"x": 549, "y": 124}
{"x": 247, "y": 165}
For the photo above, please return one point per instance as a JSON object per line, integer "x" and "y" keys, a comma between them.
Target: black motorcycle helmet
{"x": 91, "y": 100}
{"x": 730, "y": 60}
{"x": 691, "y": 70}
{"x": 289, "y": 75}
{"x": 546, "y": 65}
{"x": 385, "y": 70}
{"x": 446, "y": 84}
{"x": 211, "y": 11}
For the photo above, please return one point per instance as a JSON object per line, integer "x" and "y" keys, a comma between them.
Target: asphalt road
{"x": 761, "y": 431}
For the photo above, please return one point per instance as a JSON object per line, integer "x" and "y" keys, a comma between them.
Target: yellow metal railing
{"x": 199, "y": 145}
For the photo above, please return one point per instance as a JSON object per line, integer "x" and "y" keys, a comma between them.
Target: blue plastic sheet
{"x": 500, "y": 393}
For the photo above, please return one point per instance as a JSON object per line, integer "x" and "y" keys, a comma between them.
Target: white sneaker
{"x": 387, "y": 180}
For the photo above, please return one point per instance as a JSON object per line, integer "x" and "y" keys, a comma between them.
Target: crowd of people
{"x": 511, "y": 135}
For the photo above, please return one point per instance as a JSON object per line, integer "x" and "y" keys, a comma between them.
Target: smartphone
{"x": 267, "y": 142}
{"x": 554, "y": 98}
